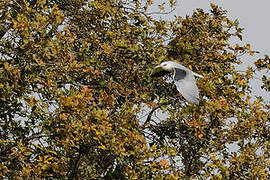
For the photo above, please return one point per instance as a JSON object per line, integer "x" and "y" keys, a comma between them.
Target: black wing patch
{"x": 179, "y": 74}
{"x": 158, "y": 74}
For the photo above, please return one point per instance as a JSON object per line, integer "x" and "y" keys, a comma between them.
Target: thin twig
{"x": 158, "y": 12}
{"x": 150, "y": 115}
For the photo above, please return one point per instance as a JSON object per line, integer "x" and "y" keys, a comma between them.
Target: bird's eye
{"x": 164, "y": 64}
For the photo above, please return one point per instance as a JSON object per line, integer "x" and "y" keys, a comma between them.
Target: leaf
{"x": 164, "y": 163}
{"x": 161, "y": 7}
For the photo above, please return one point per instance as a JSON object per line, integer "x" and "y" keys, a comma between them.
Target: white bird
{"x": 183, "y": 79}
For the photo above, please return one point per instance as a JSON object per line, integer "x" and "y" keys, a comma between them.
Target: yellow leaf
{"x": 6, "y": 66}
{"x": 161, "y": 7}
{"x": 102, "y": 147}
{"x": 219, "y": 80}
{"x": 213, "y": 157}
{"x": 63, "y": 116}
{"x": 50, "y": 158}
{"x": 107, "y": 49}
{"x": 31, "y": 101}
{"x": 248, "y": 46}
{"x": 164, "y": 163}
{"x": 45, "y": 166}
{"x": 223, "y": 100}
{"x": 242, "y": 95}
{"x": 200, "y": 135}
{"x": 40, "y": 158}
{"x": 80, "y": 96}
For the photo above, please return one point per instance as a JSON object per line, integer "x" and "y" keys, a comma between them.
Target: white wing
{"x": 185, "y": 84}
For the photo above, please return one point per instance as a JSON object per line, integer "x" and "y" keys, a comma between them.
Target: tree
{"x": 75, "y": 78}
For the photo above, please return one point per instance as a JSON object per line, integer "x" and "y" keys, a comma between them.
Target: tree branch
{"x": 149, "y": 116}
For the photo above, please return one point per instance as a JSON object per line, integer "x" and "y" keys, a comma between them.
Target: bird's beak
{"x": 158, "y": 71}
{"x": 158, "y": 68}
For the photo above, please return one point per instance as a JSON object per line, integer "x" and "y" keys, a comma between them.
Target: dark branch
{"x": 150, "y": 116}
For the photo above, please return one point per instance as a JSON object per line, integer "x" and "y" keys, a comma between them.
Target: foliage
{"x": 75, "y": 78}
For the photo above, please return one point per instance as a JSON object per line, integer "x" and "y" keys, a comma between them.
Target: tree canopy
{"x": 77, "y": 99}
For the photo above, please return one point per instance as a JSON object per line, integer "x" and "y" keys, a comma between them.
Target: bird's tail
{"x": 198, "y": 75}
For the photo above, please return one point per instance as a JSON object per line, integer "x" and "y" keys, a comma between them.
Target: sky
{"x": 253, "y": 16}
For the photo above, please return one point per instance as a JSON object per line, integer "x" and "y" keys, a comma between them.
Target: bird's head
{"x": 167, "y": 66}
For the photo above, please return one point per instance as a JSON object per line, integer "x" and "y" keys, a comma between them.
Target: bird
{"x": 184, "y": 79}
